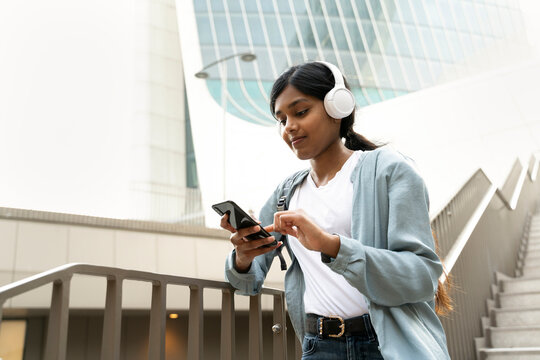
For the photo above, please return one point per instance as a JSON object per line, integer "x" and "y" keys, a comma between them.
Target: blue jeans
{"x": 343, "y": 348}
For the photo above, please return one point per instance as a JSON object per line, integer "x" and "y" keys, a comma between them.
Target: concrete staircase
{"x": 512, "y": 330}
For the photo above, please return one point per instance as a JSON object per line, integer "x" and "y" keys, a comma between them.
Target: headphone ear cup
{"x": 339, "y": 102}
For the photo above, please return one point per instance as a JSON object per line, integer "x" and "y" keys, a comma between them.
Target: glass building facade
{"x": 386, "y": 48}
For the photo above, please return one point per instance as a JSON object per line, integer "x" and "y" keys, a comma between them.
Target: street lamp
{"x": 202, "y": 74}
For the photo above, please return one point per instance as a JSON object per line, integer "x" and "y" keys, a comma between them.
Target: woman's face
{"x": 304, "y": 124}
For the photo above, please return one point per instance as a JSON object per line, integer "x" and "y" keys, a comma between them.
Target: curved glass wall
{"x": 386, "y": 48}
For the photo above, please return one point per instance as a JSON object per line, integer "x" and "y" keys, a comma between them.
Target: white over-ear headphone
{"x": 338, "y": 102}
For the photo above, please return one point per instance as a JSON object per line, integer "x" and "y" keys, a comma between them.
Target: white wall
{"x": 451, "y": 130}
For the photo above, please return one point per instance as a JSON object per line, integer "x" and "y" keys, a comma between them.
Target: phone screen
{"x": 239, "y": 219}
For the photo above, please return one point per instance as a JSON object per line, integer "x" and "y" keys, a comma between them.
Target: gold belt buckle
{"x": 342, "y": 326}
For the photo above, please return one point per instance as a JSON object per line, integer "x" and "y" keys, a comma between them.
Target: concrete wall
{"x": 30, "y": 246}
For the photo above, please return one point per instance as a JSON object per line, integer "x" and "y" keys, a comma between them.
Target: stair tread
{"x": 516, "y": 309}
{"x": 511, "y": 350}
{"x": 537, "y": 292}
{"x": 517, "y": 327}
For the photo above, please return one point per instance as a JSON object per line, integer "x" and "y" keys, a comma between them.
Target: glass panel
{"x": 263, "y": 61}
{"x": 273, "y": 31}
{"x": 331, "y": 7}
{"x": 348, "y": 69}
{"x": 361, "y": 7}
{"x": 290, "y": 31}
{"x": 339, "y": 35}
{"x": 250, "y": 6}
{"x": 373, "y": 94}
{"x": 401, "y": 40}
{"x": 355, "y": 36}
{"x": 330, "y": 56}
{"x": 365, "y": 69}
{"x": 446, "y": 12}
{"x": 388, "y": 94}
{"x": 385, "y": 38}
{"x": 391, "y": 10}
{"x": 307, "y": 33}
{"x": 280, "y": 59}
{"x": 204, "y": 29}
{"x": 370, "y": 36}
{"x": 239, "y": 30}
{"x": 397, "y": 73}
{"x": 283, "y": 6}
{"x": 433, "y": 13}
{"x": 425, "y": 74}
{"x": 440, "y": 38}
{"x": 299, "y": 7}
{"x": 484, "y": 18}
{"x": 466, "y": 40}
{"x": 429, "y": 43}
{"x": 234, "y": 6}
{"x": 256, "y": 30}
{"x": 376, "y": 9}
{"x": 315, "y": 7}
{"x": 455, "y": 45}
{"x": 359, "y": 96}
{"x": 382, "y": 74}
{"x": 200, "y": 6}
{"x": 478, "y": 41}
{"x": 267, "y": 6}
{"x": 406, "y": 11}
{"x": 408, "y": 65}
{"x": 347, "y": 8}
{"x": 217, "y": 6}
{"x": 459, "y": 17}
{"x": 296, "y": 55}
{"x": 468, "y": 9}
{"x": 436, "y": 69}
{"x": 322, "y": 32}
{"x": 415, "y": 42}
{"x": 418, "y": 9}
{"x": 222, "y": 31}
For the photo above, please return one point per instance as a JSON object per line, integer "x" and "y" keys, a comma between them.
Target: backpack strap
{"x": 282, "y": 206}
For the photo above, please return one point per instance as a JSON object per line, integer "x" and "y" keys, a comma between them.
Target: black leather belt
{"x": 335, "y": 326}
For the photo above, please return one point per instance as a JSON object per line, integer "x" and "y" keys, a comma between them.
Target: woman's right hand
{"x": 247, "y": 250}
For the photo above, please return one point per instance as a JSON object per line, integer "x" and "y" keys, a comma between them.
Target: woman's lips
{"x": 296, "y": 141}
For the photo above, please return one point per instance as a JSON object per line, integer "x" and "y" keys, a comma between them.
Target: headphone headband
{"x": 338, "y": 77}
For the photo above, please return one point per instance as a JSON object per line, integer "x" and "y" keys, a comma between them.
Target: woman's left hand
{"x": 298, "y": 224}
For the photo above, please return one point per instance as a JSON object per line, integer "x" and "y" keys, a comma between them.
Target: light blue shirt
{"x": 389, "y": 257}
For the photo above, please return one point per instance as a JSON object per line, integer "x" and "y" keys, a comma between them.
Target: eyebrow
{"x": 292, "y": 104}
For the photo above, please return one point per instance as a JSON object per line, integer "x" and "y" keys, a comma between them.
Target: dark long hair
{"x": 316, "y": 79}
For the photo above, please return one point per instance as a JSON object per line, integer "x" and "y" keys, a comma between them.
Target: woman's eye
{"x": 300, "y": 113}
{"x": 282, "y": 122}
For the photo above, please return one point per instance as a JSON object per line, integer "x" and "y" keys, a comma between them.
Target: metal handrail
{"x": 61, "y": 276}
{"x": 454, "y": 224}
{"x": 477, "y": 234}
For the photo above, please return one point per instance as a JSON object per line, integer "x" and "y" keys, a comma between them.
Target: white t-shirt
{"x": 330, "y": 207}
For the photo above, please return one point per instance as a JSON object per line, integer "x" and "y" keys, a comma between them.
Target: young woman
{"x": 364, "y": 271}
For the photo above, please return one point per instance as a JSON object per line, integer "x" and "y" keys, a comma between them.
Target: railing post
{"x": 55, "y": 348}
{"x": 196, "y": 326}
{"x": 255, "y": 328}
{"x": 1, "y": 307}
{"x": 156, "y": 347}
{"x": 227, "y": 325}
{"x": 279, "y": 329}
{"x": 110, "y": 344}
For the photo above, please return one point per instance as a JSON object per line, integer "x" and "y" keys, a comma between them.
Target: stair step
{"x": 531, "y": 271}
{"x": 532, "y": 262}
{"x": 521, "y": 299}
{"x": 518, "y": 285}
{"x": 516, "y": 317}
{"x": 532, "y": 254}
{"x": 525, "y": 353}
{"x": 533, "y": 246}
{"x": 514, "y": 336}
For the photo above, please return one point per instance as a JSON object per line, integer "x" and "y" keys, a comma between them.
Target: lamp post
{"x": 202, "y": 74}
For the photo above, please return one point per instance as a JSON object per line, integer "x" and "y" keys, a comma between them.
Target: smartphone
{"x": 239, "y": 219}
